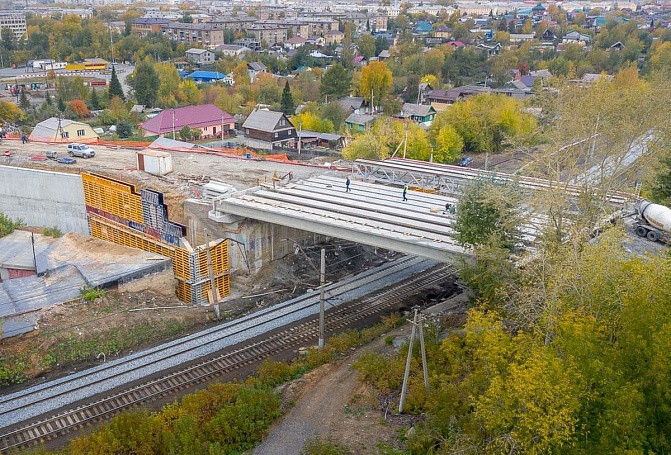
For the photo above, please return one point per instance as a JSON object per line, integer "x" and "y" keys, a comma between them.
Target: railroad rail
{"x": 258, "y": 348}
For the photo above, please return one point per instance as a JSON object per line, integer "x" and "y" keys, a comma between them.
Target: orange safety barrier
{"x": 124, "y": 143}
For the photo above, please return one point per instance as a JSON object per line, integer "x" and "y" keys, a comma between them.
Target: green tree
{"x": 7, "y": 39}
{"x": 391, "y": 105}
{"x": 23, "y": 100}
{"x": 115, "y": 88}
{"x": 347, "y": 53}
{"x": 381, "y": 44}
{"x": 145, "y": 83}
{"x": 47, "y": 99}
{"x": 489, "y": 213}
{"x": 367, "y": 145}
{"x": 7, "y": 225}
{"x": 661, "y": 187}
{"x": 123, "y": 128}
{"x": 334, "y": 113}
{"x": 185, "y": 133}
{"x": 287, "y": 103}
{"x": 61, "y": 104}
{"x": 485, "y": 122}
{"x": 186, "y": 18}
{"x": 335, "y": 83}
{"x": 71, "y": 88}
{"x": 93, "y": 99}
{"x": 366, "y": 46}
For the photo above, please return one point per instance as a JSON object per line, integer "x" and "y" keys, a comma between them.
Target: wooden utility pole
{"x": 322, "y": 276}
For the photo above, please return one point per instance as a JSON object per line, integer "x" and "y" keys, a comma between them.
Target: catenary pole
{"x": 404, "y": 389}
{"x": 322, "y": 276}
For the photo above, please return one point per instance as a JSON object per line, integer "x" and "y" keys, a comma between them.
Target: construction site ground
{"x": 192, "y": 169}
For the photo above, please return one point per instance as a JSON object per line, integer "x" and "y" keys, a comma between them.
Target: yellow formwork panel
{"x": 184, "y": 292}
{"x": 220, "y": 260}
{"x": 190, "y": 268}
{"x": 423, "y": 190}
{"x": 180, "y": 264}
{"x": 114, "y": 232}
{"x": 113, "y": 197}
{"x": 223, "y": 284}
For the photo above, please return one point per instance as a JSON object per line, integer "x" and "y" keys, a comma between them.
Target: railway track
{"x": 259, "y": 347}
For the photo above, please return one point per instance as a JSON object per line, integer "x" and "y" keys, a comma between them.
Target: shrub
{"x": 89, "y": 293}
{"x": 52, "y": 232}
{"x": 124, "y": 130}
{"x": 7, "y": 226}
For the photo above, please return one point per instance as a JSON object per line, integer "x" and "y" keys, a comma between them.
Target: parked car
{"x": 81, "y": 150}
{"x": 52, "y": 154}
{"x": 465, "y": 161}
{"x": 66, "y": 160}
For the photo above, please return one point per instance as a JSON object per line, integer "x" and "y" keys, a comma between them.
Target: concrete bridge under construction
{"x": 374, "y": 212}
{"x": 370, "y": 213}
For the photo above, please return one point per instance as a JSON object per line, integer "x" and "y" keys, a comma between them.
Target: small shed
{"x": 154, "y": 162}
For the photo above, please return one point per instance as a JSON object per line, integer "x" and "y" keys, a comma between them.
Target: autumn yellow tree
{"x": 168, "y": 89}
{"x": 376, "y": 81}
{"x": 485, "y": 122}
{"x": 366, "y": 145}
{"x": 447, "y": 144}
{"x": 241, "y": 74}
{"x": 189, "y": 91}
{"x": 309, "y": 121}
{"x": 10, "y": 112}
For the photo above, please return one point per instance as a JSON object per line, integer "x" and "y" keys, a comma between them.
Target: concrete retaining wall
{"x": 43, "y": 198}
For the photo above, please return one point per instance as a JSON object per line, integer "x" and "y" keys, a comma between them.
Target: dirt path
{"x": 331, "y": 402}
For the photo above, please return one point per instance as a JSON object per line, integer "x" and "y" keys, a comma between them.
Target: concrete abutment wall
{"x": 252, "y": 244}
{"x": 43, "y": 198}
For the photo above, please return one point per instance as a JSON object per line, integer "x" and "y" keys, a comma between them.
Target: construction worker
{"x": 405, "y": 192}
{"x": 347, "y": 182}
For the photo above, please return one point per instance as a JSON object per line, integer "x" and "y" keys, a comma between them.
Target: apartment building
{"x": 297, "y": 27}
{"x": 236, "y": 24}
{"x": 271, "y": 34}
{"x": 143, "y": 26}
{"x": 204, "y": 34}
{"x": 318, "y": 26}
{"x": 14, "y": 21}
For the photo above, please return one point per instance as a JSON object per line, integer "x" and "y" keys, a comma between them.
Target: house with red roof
{"x": 207, "y": 120}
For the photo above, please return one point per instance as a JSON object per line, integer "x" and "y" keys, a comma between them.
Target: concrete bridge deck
{"x": 371, "y": 214}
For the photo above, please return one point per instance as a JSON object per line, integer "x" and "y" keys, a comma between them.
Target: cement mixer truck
{"x": 653, "y": 221}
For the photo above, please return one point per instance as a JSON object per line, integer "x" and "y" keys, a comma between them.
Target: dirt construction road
{"x": 236, "y": 171}
{"x": 331, "y": 403}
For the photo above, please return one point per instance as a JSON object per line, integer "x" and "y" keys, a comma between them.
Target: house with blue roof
{"x": 206, "y": 77}
{"x": 423, "y": 27}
